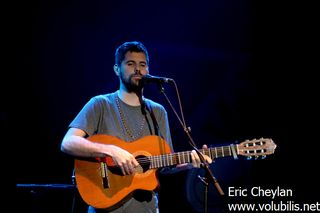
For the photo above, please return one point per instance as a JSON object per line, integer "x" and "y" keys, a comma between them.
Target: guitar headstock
{"x": 256, "y": 147}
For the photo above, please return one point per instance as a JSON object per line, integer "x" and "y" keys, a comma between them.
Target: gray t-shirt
{"x": 108, "y": 114}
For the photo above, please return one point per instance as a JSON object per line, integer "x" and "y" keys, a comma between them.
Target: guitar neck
{"x": 171, "y": 159}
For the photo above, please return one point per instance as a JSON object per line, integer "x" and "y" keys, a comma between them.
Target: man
{"x": 127, "y": 115}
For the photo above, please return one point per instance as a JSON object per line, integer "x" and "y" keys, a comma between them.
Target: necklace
{"x": 127, "y": 130}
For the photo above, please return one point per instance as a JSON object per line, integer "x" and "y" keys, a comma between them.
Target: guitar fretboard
{"x": 159, "y": 161}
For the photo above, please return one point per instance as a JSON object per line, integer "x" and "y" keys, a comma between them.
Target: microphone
{"x": 155, "y": 79}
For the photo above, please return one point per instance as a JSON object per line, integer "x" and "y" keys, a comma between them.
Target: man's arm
{"x": 74, "y": 143}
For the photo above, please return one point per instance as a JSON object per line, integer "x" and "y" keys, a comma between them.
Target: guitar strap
{"x": 143, "y": 110}
{"x": 154, "y": 120}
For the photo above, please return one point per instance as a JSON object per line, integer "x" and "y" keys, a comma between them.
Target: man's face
{"x": 132, "y": 68}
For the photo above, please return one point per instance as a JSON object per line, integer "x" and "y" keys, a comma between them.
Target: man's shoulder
{"x": 108, "y": 97}
{"x": 154, "y": 104}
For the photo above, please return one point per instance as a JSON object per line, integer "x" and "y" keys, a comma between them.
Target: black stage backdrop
{"x": 244, "y": 70}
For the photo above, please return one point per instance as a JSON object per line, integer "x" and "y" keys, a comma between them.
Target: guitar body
{"x": 90, "y": 182}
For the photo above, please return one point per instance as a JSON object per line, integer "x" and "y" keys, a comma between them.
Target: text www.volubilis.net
{"x": 272, "y": 206}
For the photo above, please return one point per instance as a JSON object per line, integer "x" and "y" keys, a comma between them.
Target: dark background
{"x": 244, "y": 69}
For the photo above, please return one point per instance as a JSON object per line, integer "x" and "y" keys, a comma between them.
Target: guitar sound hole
{"x": 144, "y": 162}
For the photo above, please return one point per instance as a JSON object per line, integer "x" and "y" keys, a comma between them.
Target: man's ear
{"x": 116, "y": 69}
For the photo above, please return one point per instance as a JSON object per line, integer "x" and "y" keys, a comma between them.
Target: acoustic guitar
{"x": 101, "y": 184}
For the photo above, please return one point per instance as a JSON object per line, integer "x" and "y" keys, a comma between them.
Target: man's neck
{"x": 129, "y": 98}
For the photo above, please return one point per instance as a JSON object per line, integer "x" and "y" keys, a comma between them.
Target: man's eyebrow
{"x": 140, "y": 62}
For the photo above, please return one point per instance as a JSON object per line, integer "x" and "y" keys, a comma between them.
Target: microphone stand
{"x": 209, "y": 177}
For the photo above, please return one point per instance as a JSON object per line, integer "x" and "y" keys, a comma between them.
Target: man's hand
{"x": 123, "y": 159}
{"x": 196, "y": 162}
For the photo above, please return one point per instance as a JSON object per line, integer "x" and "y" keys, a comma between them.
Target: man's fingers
{"x": 195, "y": 159}
{"x": 196, "y": 162}
{"x": 208, "y": 159}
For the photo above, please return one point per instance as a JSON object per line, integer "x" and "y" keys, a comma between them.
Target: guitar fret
{"x": 183, "y": 157}
{"x": 219, "y": 151}
{"x": 157, "y": 162}
{"x": 151, "y": 161}
{"x": 172, "y": 159}
{"x": 188, "y": 160}
{"x": 154, "y": 162}
{"x": 187, "y": 154}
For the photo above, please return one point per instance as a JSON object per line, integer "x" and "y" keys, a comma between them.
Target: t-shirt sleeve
{"x": 88, "y": 117}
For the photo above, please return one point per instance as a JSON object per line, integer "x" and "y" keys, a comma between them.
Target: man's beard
{"x": 130, "y": 84}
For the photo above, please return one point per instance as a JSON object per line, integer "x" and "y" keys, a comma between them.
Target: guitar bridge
{"x": 104, "y": 175}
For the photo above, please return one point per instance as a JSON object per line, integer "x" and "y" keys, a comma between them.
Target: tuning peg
{"x": 249, "y": 158}
{"x": 263, "y": 156}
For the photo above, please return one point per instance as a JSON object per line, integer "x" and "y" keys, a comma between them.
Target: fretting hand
{"x": 196, "y": 162}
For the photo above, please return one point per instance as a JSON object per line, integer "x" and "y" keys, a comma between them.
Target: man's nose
{"x": 137, "y": 69}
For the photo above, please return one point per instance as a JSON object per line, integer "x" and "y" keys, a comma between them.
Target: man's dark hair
{"x": 131, "y": 46}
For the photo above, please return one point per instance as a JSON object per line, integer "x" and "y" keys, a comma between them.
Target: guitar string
{"x": 173, "y": 157}
{"x": 161, "y": 160}
{"x": 221, "y": 151}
